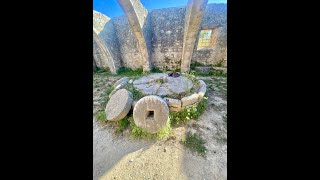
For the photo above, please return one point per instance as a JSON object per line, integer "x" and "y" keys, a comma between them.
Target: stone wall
{"x": 167, "y": 37}
{"x": 130, "y": 54}
{"x": 215, "y": 16}
{"x": 109, "y": 37}
{"x": 99, "y": 20}
{"x": 163, "y": 31}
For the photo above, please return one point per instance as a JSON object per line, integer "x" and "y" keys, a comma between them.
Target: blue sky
{"x": 111, "y": 8}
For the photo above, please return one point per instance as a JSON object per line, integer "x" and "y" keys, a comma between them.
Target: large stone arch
{"x": 101, "y": 55}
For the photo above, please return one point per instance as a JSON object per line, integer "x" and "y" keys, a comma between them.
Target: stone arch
{"x": 101, "y": 55}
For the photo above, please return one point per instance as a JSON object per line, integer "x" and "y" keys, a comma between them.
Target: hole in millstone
{"x": 150, "y": 115}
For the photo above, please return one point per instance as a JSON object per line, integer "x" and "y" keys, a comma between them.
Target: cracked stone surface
{"x": 162, "y": 85}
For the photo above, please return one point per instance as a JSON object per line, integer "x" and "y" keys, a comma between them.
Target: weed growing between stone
{"x": 190, "y": 112}
{"x": 101, "y": 115}
{"x": 140, "y": 133}
{"x": 195, "y": 143}
{"x": 122, "y": 124}
{"x": 105, "y": 97}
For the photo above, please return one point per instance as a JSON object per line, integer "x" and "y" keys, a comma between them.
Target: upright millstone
{"x": 119, "y": 105}
{"x": 151, "y": 113}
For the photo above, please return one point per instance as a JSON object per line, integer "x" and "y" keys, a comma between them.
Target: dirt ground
{"x": 122, "y": 157}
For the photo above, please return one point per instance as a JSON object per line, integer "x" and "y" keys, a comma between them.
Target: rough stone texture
{"x": 99, "y": 20}
{"x": 167, "y": 37}
{"x": 162, "y": 85}
{"x": 215, "y": 16}
{"x": 163, "y": 32}
{"x": 119, "y": 105}
{"x": 123, "y": 80}
{"x": 175, "y": 109}
{"x": 203, "y": 89}
{"x": 101, "y": 54}
{"x": 178, "y": 85}
{"x": 220, "y": 68}
{"x": 147, "y": 89}
{"x": 189, "y": 100}
{"x": 136, "y": 15}
{"x": 173, "y": 102}
{"x": 203, "y": 69}
{"x": 110, "y": 39}
{"x": 155, "y": 122}
{"x": 194, "y": 12}
{"x": 116, "y": 89}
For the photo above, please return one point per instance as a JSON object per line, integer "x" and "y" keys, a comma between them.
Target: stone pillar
{"x": 136, "y": 15}
{"x": 102, "y": 55}
{"x": 193, "y": 18}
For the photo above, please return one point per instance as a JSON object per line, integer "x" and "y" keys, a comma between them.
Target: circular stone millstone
{"x": 151, "y": 113}
{"x": 119, "y": 105}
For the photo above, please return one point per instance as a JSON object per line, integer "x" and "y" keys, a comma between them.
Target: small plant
{"x": 156, "y": 70}
{"x": 101, "y": 70}
{"x": 122, "y": 124}
{"x": 220, "y": 63}
{"x": 105, "y": 96}
{"x": 135, "y": 93}
{"x": 101, "y": 115}
{"x": 190, "y": 112}
{"x": 130, "y": 72}
{"x": 195, "y": 143}
{"x": 215, "y": 72}
{"x": 140, "y": 133}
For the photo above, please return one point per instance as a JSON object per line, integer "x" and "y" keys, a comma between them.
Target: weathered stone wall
{"x": 167, "y": 37}
{"x": 163, "y": 31}
{"x": 215, "y": 16}
{"x": 109, "y": 37}
{"x": 102, "y": 55}
{"x": 99, "y": 20}
{"x": 130, "y": 54}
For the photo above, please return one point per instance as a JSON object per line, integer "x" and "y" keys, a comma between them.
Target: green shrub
{"x": 190, "y": 112}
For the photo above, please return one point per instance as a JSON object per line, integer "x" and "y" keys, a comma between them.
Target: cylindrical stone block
{"x": 151, "y": 113}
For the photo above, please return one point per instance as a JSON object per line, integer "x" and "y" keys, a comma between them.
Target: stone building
{"x": 167, "y": 39}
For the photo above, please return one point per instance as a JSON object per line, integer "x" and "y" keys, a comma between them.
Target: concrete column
{"x": 194, "y": 12}
{"x": 136, "y": 15}
{"x": 102, "y": 55}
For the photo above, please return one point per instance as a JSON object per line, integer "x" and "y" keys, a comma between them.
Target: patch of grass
{"x": 105, "y": 96}
{"x": 156, "y": 70}
{"x": 190, "y": 112}
{"x": 122, "y": 124}
{"x": 130, "y": 72}
{"x": 140, "y": 133}
{"x": 101, "y": 70}
{"x": 101, "y": 115}
{"x": 194, "y": 64}
{"x": 195, "y": 143}
{"x": 220, "y": 63}
{"x": 215, "y": 72}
